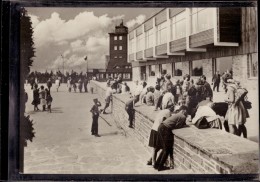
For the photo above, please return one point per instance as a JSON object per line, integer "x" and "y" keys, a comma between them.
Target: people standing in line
{"x": 36, "y": 98}
{"x": 236, "y": 114}
{"x": 57, "y": 83}
{"x": 42, "y": 95}
{"x": 160, "y": 117}
{"x": 95, "y": 114}
{"x": 85, "y": 84}
{"x": 129, "y": 107}
{"x": 49, "y": 84}
{"x": 80, "y": 85}
{"x": 165, "y": 135}
{"x": 108, "y": 98}
{"x": 216, "y": 81}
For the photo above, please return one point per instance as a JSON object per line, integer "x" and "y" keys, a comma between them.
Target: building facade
{"x": 196, "y": 41}
{"x": 118, "y": 64}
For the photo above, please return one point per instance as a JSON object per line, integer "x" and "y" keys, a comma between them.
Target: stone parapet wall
{"x": 208, "y": 151}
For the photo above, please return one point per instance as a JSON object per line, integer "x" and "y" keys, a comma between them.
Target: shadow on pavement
{"x": 111, "y": 133}
{"x": 254, "y": 138}
{"x": 56, "y": 110}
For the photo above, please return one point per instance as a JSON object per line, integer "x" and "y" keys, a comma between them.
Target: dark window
{"x": 178, "y": 69}
{"x": 151, "y": 70}
{"x": 196, "y": 68}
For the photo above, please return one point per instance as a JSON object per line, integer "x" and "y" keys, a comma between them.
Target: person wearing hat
{"x": 95, "y": 114}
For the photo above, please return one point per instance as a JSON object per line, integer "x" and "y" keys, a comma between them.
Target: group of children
{"x": 41, "y": 96}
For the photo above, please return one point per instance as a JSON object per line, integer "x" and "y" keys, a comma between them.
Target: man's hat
{"x": 95, "y": 100}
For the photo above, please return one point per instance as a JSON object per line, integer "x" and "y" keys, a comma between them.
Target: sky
{"x": 68, "y": 35}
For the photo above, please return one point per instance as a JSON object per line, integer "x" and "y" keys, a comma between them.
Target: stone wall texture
{"x": 206, "y": 151}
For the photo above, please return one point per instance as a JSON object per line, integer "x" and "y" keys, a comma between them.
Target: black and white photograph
{"x": 139, "y": 90}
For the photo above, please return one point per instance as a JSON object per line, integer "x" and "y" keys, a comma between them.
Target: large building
{"x": 196, "y": 41}
{"x": 118, "y": 64}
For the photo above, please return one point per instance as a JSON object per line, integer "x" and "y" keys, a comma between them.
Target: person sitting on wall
{"x": 144, "y": 92}
{"x": 150, "y": 96}
{"x": 129, "y": 107}
{"x": 157, "y": 95}
{"x": 160, "y": 117}
{"x": 168, "y": 100}
{"x": 138, "y": 91}
{"x": 165, "y": 135}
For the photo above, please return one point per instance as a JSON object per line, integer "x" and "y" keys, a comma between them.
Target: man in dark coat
{"x": 216, "y": 81}
{"x": 129, "y": 107}
{"x": 49, "y": 84}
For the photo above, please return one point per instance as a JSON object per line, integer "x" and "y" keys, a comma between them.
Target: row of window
{"x": 126, "y": 67}
{"x": 196, "y": 67}
{"x": 118, "y": 57}
{"x": 118, "y": 37}
{"x": 118, "y": 48}
{"x": 201, "y": 19}
{"x": 113, "y": 75}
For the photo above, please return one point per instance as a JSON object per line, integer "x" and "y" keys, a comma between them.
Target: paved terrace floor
{"x": 63, "y": 143}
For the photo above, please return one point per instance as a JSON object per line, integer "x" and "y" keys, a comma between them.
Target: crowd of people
{"x": 185, "y": 102}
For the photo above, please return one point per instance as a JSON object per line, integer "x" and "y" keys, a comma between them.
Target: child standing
{"x": 95, "y": 114}
{"x": 48, "y": 100}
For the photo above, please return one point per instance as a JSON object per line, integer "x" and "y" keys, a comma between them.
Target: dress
{"x": 154, "y": 131}
{"x": 236, "y": 113}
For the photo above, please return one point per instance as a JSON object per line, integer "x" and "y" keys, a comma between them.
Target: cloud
{"x": 34, "y": 19}
{"x": 57, "y": 30}
{"x": 84, "y": 35}
{"x": 138, "y": 20}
